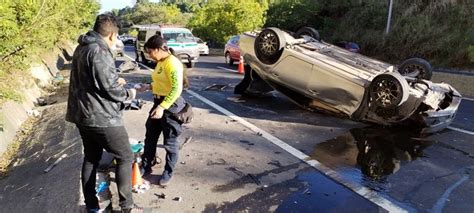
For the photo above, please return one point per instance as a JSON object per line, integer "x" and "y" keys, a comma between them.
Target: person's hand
{"x": 157, "y": 113}
{"x": 121, "y": 81}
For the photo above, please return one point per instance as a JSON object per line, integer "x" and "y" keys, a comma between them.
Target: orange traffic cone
{"x": 240, "y": 69}
{"x": 136, "y": 176}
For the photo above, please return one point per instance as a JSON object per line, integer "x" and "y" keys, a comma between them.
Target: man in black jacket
{"x": 95, "y": 101}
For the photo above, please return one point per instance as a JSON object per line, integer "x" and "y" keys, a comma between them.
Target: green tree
{"x": 30, "y": 28}
{"x": 218, "y": 20}
{"x": 291, "y": 15}
{"x": 156, "y": 13}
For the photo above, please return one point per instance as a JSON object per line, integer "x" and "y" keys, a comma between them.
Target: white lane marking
{"x": 438, "y": 207}
{"x": 227, "y": 69}
{"x": 469, "y": 99}
{"x": 461, "y": 130}
{"x": 357, "y": 188}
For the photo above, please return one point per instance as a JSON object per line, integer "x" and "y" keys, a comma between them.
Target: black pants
{"x": 171, "y": 129}
{"x": 115, "y": 141}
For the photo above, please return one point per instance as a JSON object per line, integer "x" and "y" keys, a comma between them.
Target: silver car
{"x": 321, "y": 76}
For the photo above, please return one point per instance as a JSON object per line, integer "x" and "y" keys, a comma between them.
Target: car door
{"x": 235, "y": 51}
{"x": 329, "y": 84}
{"x": 293, "y": 72}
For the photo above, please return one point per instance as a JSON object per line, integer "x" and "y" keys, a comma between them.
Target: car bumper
{"x": 436, "y": 121}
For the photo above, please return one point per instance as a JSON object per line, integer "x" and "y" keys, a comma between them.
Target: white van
{"x": 179, "y": 39}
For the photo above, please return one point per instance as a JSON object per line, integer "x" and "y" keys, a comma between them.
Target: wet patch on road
{"x": 369, "y": 155}
{"x": 309, "y": 191}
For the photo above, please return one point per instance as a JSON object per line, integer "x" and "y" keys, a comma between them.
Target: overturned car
{"x": 321, "y": 76}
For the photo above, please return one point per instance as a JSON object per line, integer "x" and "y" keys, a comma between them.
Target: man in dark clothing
{"x": 95, "y": 101}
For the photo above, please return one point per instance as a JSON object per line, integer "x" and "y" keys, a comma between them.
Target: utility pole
{"x": 389, "y": 18}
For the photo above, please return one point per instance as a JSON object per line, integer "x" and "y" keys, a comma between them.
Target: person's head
{"x": 157, "y": 48}
{"x": 107, "y": 26}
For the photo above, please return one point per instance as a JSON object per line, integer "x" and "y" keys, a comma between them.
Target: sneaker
{"x": 134, "y": 209}
{"x": 165, "y": 179}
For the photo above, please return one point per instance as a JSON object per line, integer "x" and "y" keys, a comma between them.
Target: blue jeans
{"x": 115, "y": 141}
{"x": 171, "y": 129}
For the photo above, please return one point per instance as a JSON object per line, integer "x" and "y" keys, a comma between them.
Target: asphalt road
{"x": 257, "y": 155}
{"x": 362, "y": 168}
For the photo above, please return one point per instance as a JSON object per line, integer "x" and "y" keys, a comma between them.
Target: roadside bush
{"x": 30, "y": 28}
{"x": 440, "y": 31}
{"x": 291, "y": 15}
{"x": 471, "y": 53}
{"x": 156, "y": 13}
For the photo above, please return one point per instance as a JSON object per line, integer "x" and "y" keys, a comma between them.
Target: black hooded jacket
{"x": 95, "y": 97}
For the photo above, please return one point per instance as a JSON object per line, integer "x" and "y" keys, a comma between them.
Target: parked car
{"x": 202, "y": 46}
{"x": 180, "y": 40}
{"x": 117, "y": 49}
{"x": 232, "y": 50}
{"x": 126, "y": 39}
{"x": 321, "y": 76}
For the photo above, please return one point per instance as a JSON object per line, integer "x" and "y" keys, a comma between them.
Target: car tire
{"x": 308, "y": 31}
{"x": 388, "y": 90}
{"x": 228, "y": 59}
{"x": 416, "y": 68}
{"x": 269, "y": 45}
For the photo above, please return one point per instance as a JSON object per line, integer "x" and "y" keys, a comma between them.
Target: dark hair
{"x": 156, "y": 42}
{"x": 105, "y": 24}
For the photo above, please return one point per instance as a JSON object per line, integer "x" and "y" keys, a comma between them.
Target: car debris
{"x": 320, "y": 76}
{"x": 55, "y": 163}
{"x": 306, "y": 192}
{"x": 128, "y": 66}
{"x": 135, "y": 104}
{"x": 255, "y": 179}
{"x": 161, "y": 196}
{"x": 215, "y": 87}
{"x": 179, "y": 199}
{"x": 236, "y": 171}
{"x": 236, "y": 99}
{"x": 219, "y": 161}
{"x": 42, "y": 101}
{"x": 247, "y": 142}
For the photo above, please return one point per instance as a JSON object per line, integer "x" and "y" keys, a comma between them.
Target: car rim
{"x": 412, "y": 70}
{"x": 386, "y": 93}
{"x": 269, "y": 43}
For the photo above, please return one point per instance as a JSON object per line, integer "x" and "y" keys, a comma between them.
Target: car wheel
{"x": 416, "y": 68}
{"x": 388, "y": 90}
{"x": 269, "y": 45}
{"x": 308, "y": 31}
{"x": 228, "y": 59}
